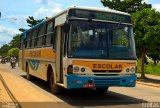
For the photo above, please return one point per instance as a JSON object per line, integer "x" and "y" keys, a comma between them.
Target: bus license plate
{"x": 89, "y": 85}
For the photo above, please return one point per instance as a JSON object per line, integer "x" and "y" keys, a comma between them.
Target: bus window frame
{"x": 48, "y": 33}
{"x": 34, "y": 37}
{"x": 29, "y": 39}
{"x": 40, "y": 35}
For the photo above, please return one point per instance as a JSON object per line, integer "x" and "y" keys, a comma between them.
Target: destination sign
{"x": 79, "y": 13}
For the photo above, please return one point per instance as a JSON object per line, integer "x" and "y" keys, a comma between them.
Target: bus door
{"x": 59, "y": 53}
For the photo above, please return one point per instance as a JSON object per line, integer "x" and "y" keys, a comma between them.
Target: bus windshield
{"x": 101, "y": 40}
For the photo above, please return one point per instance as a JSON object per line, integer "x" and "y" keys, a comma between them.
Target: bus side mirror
{"x": 66, "y": 27}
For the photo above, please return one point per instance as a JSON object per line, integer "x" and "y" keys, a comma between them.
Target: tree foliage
{"x": 147, "y": 34}
{"x": 13, "y": 52}
{"x": 22, "y": 29}
{"x": 4, "y": 50}
{"x": 31, "y": 21}
{"x": 146, "y": 25}
{"x": 14, "y": 43}
{"x": 129, "y": 6}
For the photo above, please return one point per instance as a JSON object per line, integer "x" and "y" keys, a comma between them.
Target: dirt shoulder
{"x": 150, "y": 80}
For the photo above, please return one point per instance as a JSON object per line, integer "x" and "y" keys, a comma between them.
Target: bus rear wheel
{"x": 102, "y": 90}
{"x": 55, "y": 89}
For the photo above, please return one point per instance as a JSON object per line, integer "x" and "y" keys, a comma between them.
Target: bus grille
{"x": 106, "y": 82}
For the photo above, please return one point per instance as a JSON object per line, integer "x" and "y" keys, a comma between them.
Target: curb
{"x": 147, "y": 84}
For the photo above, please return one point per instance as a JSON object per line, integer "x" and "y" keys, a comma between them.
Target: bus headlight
{"x": 83, "y": 69}
{"x": 76, "y": 69}
{"x": 127, "y": 70}
{"x": 132, "y": 69}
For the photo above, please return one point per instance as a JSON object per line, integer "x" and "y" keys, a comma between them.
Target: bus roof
{"x": 99, "y": 9}
{"x": 80, "y": 7}
{"x": 34, "y": 26}
{"x": 91, "y": 8}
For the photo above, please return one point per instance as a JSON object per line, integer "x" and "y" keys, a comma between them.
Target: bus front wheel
{"x": 55, "y": 89}
{"x": 102, "y": 90}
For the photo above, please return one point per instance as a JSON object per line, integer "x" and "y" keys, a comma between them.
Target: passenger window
{"x": 40, "y": 35}
{"x": 34, "y": 36}
{"x": 29, "y": 40}
{"x": 49, "y": 34}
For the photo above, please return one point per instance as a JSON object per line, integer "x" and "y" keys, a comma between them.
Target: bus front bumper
{"x": 76, "y": 81}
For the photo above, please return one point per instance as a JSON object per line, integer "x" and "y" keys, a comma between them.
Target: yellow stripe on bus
{"x": 101, "y": 65}
{"x": 41, "y": 53}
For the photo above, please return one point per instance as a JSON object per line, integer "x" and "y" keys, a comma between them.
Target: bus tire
{"x": 54, "y": 88}
{"x": 102, "y": 90}
{"x": 28, "y": 76}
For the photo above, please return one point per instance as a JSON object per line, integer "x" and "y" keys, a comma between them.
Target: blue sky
{"x": 21, "y": 9}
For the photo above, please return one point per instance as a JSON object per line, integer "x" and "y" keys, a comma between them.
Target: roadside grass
{"x": 150, "y": 68}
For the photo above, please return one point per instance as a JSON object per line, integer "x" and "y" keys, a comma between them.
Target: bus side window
{"x": 40, "y": 35}
{"x": 34, "y": 35}
{"x": 54, "y": 38}
{"x": 49, "y": 34}
{"x": 30, "y": 42}
{"x": 29, "y": 35}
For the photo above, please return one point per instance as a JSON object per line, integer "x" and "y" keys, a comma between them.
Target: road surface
{"x": 36, "y": 94}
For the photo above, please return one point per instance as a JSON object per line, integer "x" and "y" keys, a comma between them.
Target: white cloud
{"x": 48, "y": 9}
{"x": 7, "y": 30}
{"x": 145, "y": 1}
{"x": 18, "y": 19}
{"x": 41, "y": 1}
{"x": 37, "y": 1}
{"x": 6, "y": 34}
{"x": 156, "y": 6}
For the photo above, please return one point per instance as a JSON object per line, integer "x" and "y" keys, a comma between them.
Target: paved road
{"x": 36, "y": 94}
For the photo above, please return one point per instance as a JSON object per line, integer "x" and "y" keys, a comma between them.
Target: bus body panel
{"x": 38, "y": 61}
{"x": 60, "y": 19}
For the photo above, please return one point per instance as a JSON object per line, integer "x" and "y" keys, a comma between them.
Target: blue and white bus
{"x": 81, "y": 47}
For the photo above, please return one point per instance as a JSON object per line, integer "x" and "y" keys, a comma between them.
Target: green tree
{"x": 13, "y": 52}
{"x": 4, "y": 50}
{"x": 22, "y": 29}
{"x": 31, "y": 22}
{"x": 15, "y": 41}
{"x": 130, "y": 6}
{"x": 147, "y": 33}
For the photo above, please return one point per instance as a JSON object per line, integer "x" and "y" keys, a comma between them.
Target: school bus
{"x": 81, "y": 47}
